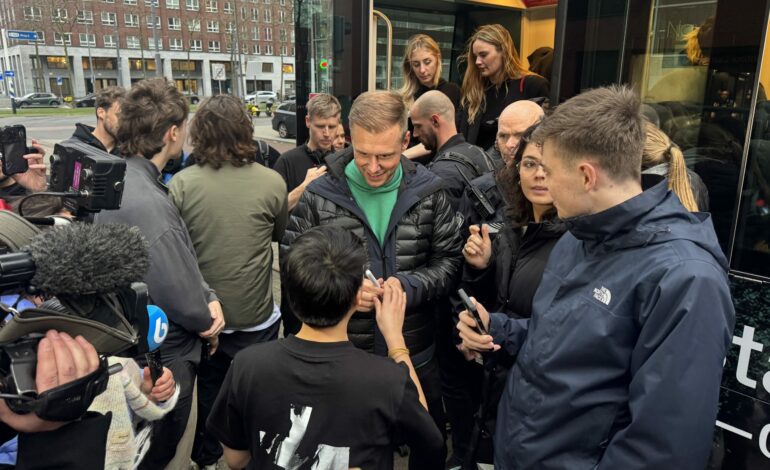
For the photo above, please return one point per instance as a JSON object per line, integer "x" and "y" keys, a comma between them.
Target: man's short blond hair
{"x": 375, "y": 111}
{"x": 323, "y": 106}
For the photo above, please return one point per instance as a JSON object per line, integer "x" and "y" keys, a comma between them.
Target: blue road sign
{"x": 1, "y": 77}
{"x": 22, "y": 35}
{"x": 9, "y": 73}
{"x": 59, "y": 81}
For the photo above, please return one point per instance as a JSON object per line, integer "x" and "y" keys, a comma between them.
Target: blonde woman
{"x": 663, "y": 159}
{"x": 422, "y": 71}
{"x": 494, "y": 78}
{"x": 421, "y": 67}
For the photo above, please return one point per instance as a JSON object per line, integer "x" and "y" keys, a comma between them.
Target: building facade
{"x": 85, "y": 45}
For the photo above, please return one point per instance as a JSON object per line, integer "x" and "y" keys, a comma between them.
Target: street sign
{"x": 59, "y": 81}
{"x": 9, "y": 73}
{"x": 218, "y": 72}
{"x": 22, "y": 35}
{"x": 1, "y": 77}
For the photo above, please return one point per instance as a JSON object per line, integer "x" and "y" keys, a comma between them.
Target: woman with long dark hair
{"x": 505, "y": 272}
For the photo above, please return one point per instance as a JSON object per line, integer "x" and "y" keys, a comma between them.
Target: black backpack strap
{"x": 488, "y": 162}
{"x": 458, "y": 158}
{"x": 263, "y": 152}
{"x": 264, "y": 149}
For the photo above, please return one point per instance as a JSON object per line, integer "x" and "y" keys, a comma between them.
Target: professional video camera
{"x": 89, "y": 179}
{"x": 89, "y": 275}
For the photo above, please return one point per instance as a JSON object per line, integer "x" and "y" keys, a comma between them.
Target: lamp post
{"x": 155, "y": 27}
{"x": 88, "y": 42}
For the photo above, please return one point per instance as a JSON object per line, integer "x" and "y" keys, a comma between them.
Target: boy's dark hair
{"x": 322, "y": 273}
{"x": 108, "y": 96}
{"x": 147, "y": 112}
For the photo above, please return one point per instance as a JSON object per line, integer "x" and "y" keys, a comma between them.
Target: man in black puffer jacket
{"x": 402, "y": 214}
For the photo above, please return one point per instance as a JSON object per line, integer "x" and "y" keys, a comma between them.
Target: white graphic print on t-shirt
{"x": 283, "y": 449}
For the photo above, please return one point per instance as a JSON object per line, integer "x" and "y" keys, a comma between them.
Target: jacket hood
{"x": 654, "y": 216}
{"x": 85, "y": 133}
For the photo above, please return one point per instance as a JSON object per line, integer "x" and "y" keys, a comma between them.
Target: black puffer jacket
{"x": 422, "y": 250}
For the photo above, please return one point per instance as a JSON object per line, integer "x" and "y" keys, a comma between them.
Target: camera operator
{"x": 46, "y": 444}
{"x": 104, "y": 135}
{"x": 151, "y": 131}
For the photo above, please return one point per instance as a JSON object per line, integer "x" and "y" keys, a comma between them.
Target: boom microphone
{"x": 79, "y": 259}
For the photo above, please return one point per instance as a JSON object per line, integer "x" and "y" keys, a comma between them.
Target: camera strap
{"x": 107, "y": 340}
{"x": 69, "y": 401}
{"x": 15, "y": 231}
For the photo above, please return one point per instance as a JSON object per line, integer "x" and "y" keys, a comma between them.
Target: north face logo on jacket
{"x": 603, "y": 295}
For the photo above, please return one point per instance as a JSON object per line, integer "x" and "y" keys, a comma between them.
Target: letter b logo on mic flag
{"x": 158, "y": 327}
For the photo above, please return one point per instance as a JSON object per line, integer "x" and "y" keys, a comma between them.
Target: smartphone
{"x": 471, "y": 307}
{"x": 13, "y": 147}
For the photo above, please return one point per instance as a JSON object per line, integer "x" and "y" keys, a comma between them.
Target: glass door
{"x": 449, "y": 23}
{"x": 345, "y": 47}
{"x": 331, "y": 52}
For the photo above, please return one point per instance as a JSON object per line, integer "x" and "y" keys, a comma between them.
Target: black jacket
{"x": 519, "y": 257}
{"x": 533, "y": 86}
{"x": 421, "y": 246}
{"x": 620, "y": 365}
{"x": 85, "y": 133}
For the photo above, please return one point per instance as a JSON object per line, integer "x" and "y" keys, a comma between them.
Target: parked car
{"x": 261, "y": 97}
{"x": 38, "y": 99}
{"x": 285, "y": 119}
{"x": 88, "y": 101}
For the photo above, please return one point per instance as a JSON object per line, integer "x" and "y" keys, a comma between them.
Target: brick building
{"x": 89, "y": 44}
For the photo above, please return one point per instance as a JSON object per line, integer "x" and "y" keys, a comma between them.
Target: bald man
{"x": 516, "y": 118}
{"x": 433, "y": 118}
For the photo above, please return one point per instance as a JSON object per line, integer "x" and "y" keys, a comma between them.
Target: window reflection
{"x": 698, "y": 89}
{"x": 752, "y": 243}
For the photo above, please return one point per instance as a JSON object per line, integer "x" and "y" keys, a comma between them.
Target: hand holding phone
{"x": 471, "y": 308}
{"x": 13, "y": 147}
{"x": 472, "y": 329}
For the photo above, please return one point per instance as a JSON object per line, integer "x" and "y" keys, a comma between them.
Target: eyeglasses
{"x": 529, "y": 166}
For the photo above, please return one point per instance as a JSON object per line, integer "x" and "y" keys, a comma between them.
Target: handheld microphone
{"x": 156, "y": 334}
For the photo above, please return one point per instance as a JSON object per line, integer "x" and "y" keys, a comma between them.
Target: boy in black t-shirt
{"x": 314, "y": 400}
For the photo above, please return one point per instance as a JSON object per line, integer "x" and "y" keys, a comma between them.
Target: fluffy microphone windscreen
{"x": 88, "y": 259}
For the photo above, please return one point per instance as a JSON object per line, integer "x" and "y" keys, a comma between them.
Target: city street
{"x": 50, "y": 130}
